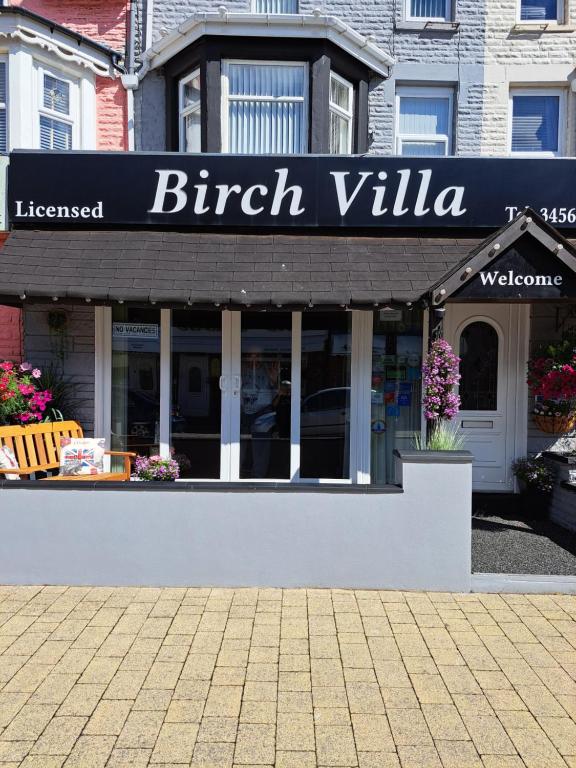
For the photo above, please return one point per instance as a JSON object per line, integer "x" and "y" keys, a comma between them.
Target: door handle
{"x": 223, "y": 383}
{"x": 236, "y": 385}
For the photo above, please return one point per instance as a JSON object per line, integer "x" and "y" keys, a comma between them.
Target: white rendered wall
{"x": 418, "y": 539}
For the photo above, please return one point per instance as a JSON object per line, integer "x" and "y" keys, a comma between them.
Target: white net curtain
{"x": 266, "y": 108}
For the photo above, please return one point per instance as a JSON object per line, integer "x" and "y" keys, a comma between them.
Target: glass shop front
{"x": 278, "y": 396}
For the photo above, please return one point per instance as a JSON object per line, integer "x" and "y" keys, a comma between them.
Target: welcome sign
{"x": 176, "y": 190}
{"x": 526, "y": 271}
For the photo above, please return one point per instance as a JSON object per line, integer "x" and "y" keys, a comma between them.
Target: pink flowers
{"x": 21, "y": 401}
{"x": 552, "y": 379}
{"x": 156, "y": 468}
{"x": 440, "y": 376}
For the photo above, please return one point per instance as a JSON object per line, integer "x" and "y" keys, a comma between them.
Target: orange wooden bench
{"x": 37, "y": 449}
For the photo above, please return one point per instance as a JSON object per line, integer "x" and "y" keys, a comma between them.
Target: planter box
{"x": 563, "y": 503}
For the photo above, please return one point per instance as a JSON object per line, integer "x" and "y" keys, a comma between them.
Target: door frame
{"x": 516, "y": 397}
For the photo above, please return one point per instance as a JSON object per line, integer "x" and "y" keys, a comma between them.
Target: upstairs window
{"x": 536, "y": 122}
{"x": 424, "y": 121}
{"x": 428, "y": 10}
{"x": 540, "y": 10}
{"x": 264, "y": 108}
{"x": 341, "y": 113}
{"x": 275, "y": 6}
{"x": 189, "y": 110}
{"x": 56, "y": 112}
{"x": 3, "y": 105}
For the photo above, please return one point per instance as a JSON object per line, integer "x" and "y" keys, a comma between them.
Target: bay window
{"x": 57, "y": 111}
{"x": 219, "y": 99}
{"x": 189, "y": 110}
{"x": 424, "y": 121}
{"x": 264, "y": 107}
{"x": 536, "y": 122}
{"x": 275, "y": 6}
{"x": 341, "y": 115}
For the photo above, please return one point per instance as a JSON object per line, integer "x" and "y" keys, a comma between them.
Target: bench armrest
{"x": 128, "y": 456}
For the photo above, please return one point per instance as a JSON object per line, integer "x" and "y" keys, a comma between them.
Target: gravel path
{"x": 508, "y": 544}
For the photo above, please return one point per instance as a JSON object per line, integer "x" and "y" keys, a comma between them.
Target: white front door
{"x": 491, "y": 342}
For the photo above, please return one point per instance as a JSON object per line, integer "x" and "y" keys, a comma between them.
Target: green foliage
{"x": 66, "y": 400}
{"x": 443, "y": 436}
{"x": 534, "y": 472}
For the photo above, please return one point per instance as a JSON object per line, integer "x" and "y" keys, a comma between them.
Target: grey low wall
{"x": 419, "y": 538}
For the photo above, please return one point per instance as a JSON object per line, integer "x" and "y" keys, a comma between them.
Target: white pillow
{"x": 8, "y": 461}
{"x": 81, "y": 455}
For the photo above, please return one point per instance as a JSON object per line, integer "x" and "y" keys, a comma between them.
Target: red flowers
{"x": 552, "y": 378}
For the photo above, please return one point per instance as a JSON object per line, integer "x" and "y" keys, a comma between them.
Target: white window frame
{"x": 4, "y": 105}
{"x": 183, "y": 113}
{"x": 273, "y": 13}
{"x": 72, "y": 118}
{"x": 348, "y": 115}
{"x": 409, "y": 17}
{"x": 226, "y": 98}
{"x": 423, "y": 92}
{"x": 230, "y": 381}
{"x": 561, "y": 93}
{"x": 560, "y": 11}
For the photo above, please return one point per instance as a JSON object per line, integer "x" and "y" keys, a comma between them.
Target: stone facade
{"x": 481, "y": 60}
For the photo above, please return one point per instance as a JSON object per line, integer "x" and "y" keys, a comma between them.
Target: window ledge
{"x": 545, "y": 28}
{"x": 427, "y": 26}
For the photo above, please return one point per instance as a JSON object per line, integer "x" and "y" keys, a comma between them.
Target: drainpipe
{"x": 130, "y": 79}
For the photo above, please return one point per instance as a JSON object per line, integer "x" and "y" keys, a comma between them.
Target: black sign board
{"x": 169, "y": 190}
{"x": 525, "y": 271}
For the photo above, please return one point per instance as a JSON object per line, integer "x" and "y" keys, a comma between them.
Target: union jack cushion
{"x": 81, "y": 455}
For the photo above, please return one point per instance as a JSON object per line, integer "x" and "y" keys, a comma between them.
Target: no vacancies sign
{"x": 169, "y": 190}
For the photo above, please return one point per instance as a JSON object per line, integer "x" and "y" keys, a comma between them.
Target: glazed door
{"x": 487, "y": 337}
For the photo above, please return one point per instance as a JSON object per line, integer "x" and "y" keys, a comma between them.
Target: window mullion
{"x": 165, "y": 381}
{"x": 295, "y": 396}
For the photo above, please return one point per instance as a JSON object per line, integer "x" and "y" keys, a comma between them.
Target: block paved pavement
{"x": 223, "y": 678}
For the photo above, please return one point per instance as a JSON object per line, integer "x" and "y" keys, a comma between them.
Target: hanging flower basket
{"x": 555, "y": 425}
{"x": 552, "y": 381}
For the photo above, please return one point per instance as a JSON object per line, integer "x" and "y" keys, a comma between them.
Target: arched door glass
{"x": 479, "y": 367}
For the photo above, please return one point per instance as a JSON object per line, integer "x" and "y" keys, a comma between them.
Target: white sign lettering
{"x": 172, "y": 195}
{"x": 509, "y": 278}
{"x": 35, "y": 211}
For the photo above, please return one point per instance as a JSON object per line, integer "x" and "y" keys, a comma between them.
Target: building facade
{"x": 325, "y": 384}
{"x": 60, "y": 89}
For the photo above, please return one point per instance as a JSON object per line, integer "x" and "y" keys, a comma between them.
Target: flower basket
{"x": 555, "y": 425}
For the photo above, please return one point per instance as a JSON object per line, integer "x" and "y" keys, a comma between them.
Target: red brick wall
{"x": 103, "y": 21}
{"x": 10, "y": 334}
